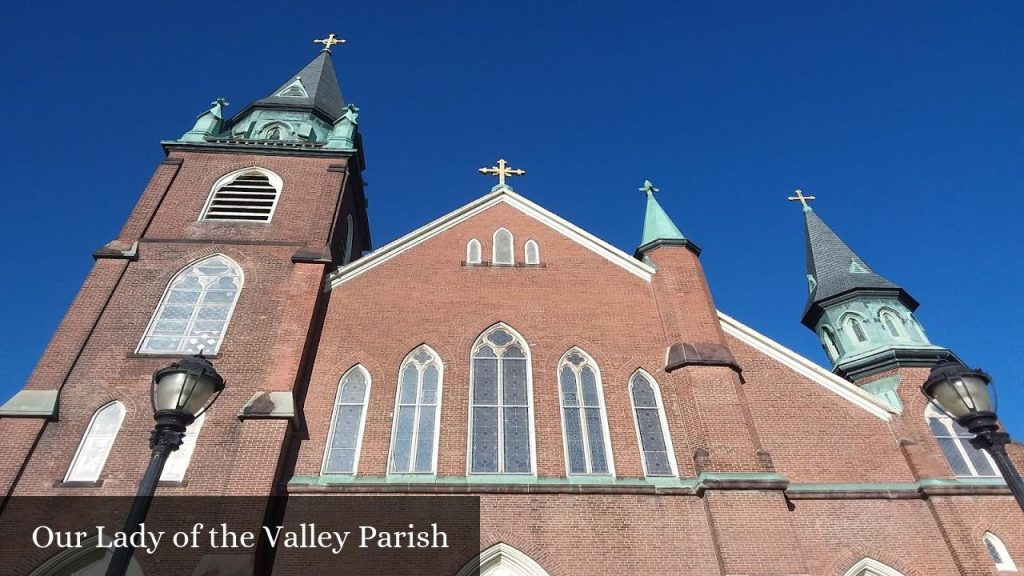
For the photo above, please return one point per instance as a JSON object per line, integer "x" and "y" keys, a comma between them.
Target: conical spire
{"x": 657, "y": 224}
{"x": 834, "y": 269}
{"x": 314, "y": 87}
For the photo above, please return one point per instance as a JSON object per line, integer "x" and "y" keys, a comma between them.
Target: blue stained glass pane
{"x": 485, "y": 440}
{"x": 405, "y": 420}
{"x": 595, "y": 435}
{"x": 428, "y": 392}
{"x": 651, "y": 433}
{"x": 568, "y": 382}
{"x": 574, "y": 441}
{"x": 589, "y": 381}
{"x": 407, "y": 390}
{"x": 425, "y": 440}
{"x": 517, "y": 440}
{"x": 353, "y": 388}
{"x": 981, "y": 464}
{"x": 643, "y": 393}
{"x": 499, "y": 337}
{"x": 953, "y": 456}
{"x": 514, "y": 382}
{"x": 485, "y": 381}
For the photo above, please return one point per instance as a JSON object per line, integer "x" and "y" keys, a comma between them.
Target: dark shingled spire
{"x": 321, "y": 86}
{"x": 838, "y": 270}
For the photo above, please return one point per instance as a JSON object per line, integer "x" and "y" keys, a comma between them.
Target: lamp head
{"x": 188, "y": 387}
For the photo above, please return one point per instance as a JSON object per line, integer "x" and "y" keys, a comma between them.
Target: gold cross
{"x": 803, "y": 199}
{"x": 331, "y": 40}
{"x": 648, "y": 188}
{"x": 502, "y": 170}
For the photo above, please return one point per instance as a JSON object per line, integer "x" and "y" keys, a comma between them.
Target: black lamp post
{"x": 181, "y": 392}
{"x": 963, "y": 394}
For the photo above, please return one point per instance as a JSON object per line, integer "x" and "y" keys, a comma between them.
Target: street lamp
{"x": 180, "y": 393}
{"x": 963, "y": 394}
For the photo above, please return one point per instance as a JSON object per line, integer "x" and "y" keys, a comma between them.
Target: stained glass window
{"x": 500, "y": 412}
{"x": 998, "y": 552}
{"x": 195, "y": 310}
{"x": 96, "y": 444}
{"x": 503, "y": 247}
{"x": 416, "y": 413}
{"x": 347, "y": 422}
{"x": 583, "y": 415}
{"x": 955, "y": 443}
{"x": 650, "y": 422}
{"x": 473, "y": 251}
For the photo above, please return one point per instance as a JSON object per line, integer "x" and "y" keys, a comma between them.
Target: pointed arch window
{"x": 583, "y": 415}
{"x": 501, "y": 419}
{"x": 532, "y": 252}
{"x": 857, "y": 329}
{"x": 349, "y": 236}
{"x": 503, "y": 253}
{"x": 955, "y": 442}
{"x": 473, "y": 251}
{"x": 871, "y": 567}
{"x": 195, "y": 309}
{"x": 177, "y": 463}
{"x": 96, "y": 444}
{"x": 890, "y": 321}
{"x": 831, "y": 344}
{"x": 651, "y": 428}
{"x": 347, "y": 422}
{"x": 417, "y": 414}
{"x": 998, "y": 552}
{"x": 247, "y": 195}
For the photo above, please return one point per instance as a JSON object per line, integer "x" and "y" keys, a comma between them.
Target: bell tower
{"x": 865, "y": 322}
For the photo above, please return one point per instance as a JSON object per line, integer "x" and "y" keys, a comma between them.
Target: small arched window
{"x": 890, "y": 321}
{"x": 501, "y": 419}
{"x": 248, "y": 195}
{"x": 955, "y": 442}
{"x": 503, "y": 247}
{"x": 347, "y": 423}
{"x": 415, "y": 436}
{"x": 195, "y": 309}
{"x": 96, "y": 444}
{"x": 857, "y": 329}
{"x": 473, "y": 251}
{"x": 998, "y": 552}
{"x": 177, "y": 462}
{"x": 532, "y": 252}
{"x": 831, "y": 344}
{"x": 583, "y": 415}
{"x": 651, "y": 428}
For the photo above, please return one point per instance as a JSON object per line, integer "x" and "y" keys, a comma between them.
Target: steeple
{"x": 865, "y": 322}
{"x": 658, "y": 226}
{"x": 314, "y": 88}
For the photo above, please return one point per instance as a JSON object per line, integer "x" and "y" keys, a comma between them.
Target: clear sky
{"x": 903, "y": 118}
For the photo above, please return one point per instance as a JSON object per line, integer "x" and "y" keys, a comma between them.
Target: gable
{"x": 496, "y": 197}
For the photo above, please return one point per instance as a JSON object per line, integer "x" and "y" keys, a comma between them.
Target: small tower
{"x": 865, "y": 322}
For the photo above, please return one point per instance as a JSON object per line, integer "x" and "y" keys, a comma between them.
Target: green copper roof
{"x": 657, "y": 224}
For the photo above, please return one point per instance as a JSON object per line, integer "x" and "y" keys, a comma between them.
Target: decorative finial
{"x": 331, "y": 40}
{"x": 649, "y": 189}
{"x": 501, "y": 171}
{"x": 218, "y": 107}
{"x": 803, "y": 200}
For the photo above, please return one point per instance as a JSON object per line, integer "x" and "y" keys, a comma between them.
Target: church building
{"x": 607, "y": 416}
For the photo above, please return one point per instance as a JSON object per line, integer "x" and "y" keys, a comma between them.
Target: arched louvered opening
{"x": 248, "y": 195}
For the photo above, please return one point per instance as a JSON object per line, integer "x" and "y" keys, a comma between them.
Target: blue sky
{"x": 904, "y": 119}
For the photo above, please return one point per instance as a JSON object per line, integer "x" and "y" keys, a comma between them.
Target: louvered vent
{"x": 250, "y": 196}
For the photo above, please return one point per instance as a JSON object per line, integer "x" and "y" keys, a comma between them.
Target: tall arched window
{"x": 249, "y": 194}
{"x": 177, "y": 462}
{"x": 998, "y": 552}
{"x": 503, "y": 253}
{"x": 349, "y": 235}
{"x": 195, "y": 310}
{"x": 501, "y": 419}
{"x": 891, "y": 323}
{"x": 415, "y": 435}
{"x": 532, "y": 252}
{"x": 651, "y": 428}
{"x": 857, "y": 329}
{"x": 831, "y": 344}
{"x": 583, "y": 415}
{"x": 473, "y": 251}
{"x": 955, "y": 442}
{"x": 347, "y": 423}
{"x": 96, "y": 444}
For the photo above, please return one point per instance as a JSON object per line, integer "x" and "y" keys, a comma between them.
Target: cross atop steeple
{"x": 331, "y": 40}
{"x": 501, "y": 171}
{"x": 649, "y": 189}
{"x": 803, "y": 200}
